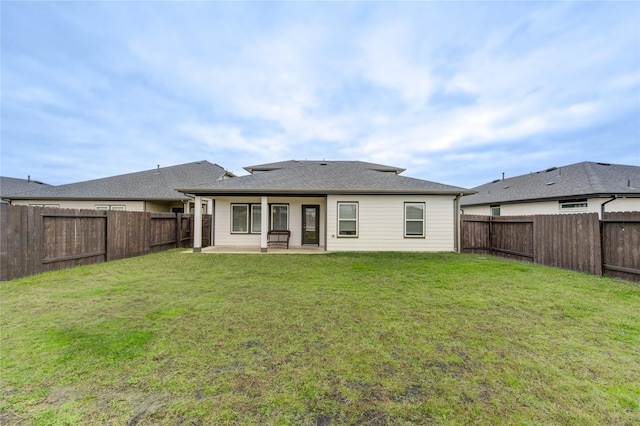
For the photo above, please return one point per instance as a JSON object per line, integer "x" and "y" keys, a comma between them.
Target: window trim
{"x": 423, "y": 220}
{"x": 271, "y": 206}
{"x": 575, "y": 205}
{"x": 497, "y": 206}
{"x": 53, "y": 206}
{"x": 114, "y": 207}
{"x": 356, "y": 220}
{"x": 245, "y": 205}
{"x": 250, "y": 214}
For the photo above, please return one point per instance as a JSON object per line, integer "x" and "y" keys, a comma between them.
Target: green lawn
{"x": 377, "y": 338}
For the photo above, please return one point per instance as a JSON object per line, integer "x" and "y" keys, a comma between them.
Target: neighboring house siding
{"x": 224, "y": 237}
{"x": 381, "y": 224}
{"x": 619, "y": 205}
{"x": 157, "y": 207}
{"x": 131, "y": 206}
{"x": 553, "y": 207}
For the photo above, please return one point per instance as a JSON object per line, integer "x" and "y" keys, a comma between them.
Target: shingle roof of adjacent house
{"x": 9, "y": 185}
{"x": 323, "y": 177}
{"x": 556, "y": 183}
{"x": 154, "y": 184}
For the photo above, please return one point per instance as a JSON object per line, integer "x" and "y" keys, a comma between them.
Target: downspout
{"x": 603, "y": 204}
{"x": 456, "y": 229}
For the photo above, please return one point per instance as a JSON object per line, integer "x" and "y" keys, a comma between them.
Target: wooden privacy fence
{"x": 580, "y": 242}
{"x": 36, "y": 239}
{"x": 621, "y": 245}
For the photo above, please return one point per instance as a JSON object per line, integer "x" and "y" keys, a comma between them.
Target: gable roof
{"x": 154, "y": 184}
{"x": 556, "y": 183}
{"x": 293, "y": 163}
{"x": 323, "y": 177}
{"x": 9, "y": 185}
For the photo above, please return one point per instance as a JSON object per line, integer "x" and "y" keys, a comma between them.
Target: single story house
{"x": 9, "y": 185}
{"x": 146, "y": 191}
{"x": 585, "y": 187}
{"x": 333, "y": 205}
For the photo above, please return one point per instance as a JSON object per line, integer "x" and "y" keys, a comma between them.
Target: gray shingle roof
{"x": 154, "y": 184}
{"x": 557, "y": 183}
{"x": 9, "y": 185}
{"x": 323, "y": 177}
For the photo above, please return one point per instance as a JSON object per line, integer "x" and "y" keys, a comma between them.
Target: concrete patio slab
{"x": 256, "y": 250}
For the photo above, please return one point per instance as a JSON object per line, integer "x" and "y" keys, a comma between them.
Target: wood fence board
{"x": 570, "y": 241}
{"x": 621, "y": 245}
{"x": 36, "y": 245}
{"x": 4, "y": 249}
{"x": 36, "y": 239}
{"x": 117, "y": 235}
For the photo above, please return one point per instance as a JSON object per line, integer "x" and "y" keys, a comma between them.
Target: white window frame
{"x": 356, "y": 220}
{"x": 247, "y": 224}
{"x": 119, "y": 208}
{"x": 272, "y": 211}
{"x": 255, "y": 208}
{"x": 423, "y": 219}
{"x": 54, "y": 206}
{"x": 574, "y": 205}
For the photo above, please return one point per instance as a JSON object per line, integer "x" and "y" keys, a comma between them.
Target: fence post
{"x": 178, "y": 230}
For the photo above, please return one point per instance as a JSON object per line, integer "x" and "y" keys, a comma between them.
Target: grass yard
{"x": 376, "y": 338}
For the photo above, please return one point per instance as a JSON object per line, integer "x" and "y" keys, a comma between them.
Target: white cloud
{"x": 411, "y": 84}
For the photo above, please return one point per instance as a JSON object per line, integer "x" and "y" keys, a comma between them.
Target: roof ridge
{"x": 592, "y": 176}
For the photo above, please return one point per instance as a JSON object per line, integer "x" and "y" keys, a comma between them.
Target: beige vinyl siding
{"x": 618, "y": 205}
{"x": 162, "y": 207}
{"x": 222, "y": 223}
{"x": 224, "y": 237}
{"x": 553, "y": 207}
{"x": 381, "y": 224}
{"x": 479, "y": 210}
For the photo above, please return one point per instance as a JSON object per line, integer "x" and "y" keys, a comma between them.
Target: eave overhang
{"x": 316, "y": 192}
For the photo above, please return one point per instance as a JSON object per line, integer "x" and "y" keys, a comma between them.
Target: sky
{"x": 454, "y": 92}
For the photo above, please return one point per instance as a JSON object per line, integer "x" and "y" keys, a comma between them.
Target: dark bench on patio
{"x": 278, "y": 238}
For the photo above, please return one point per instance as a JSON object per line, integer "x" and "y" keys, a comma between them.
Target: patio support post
{"x": 210, "y": 211}
{"x": 264, "y": 223}
{"x": 197, "y": 225}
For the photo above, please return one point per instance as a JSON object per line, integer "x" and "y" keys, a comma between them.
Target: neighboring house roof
{"x": 154, "y": 184}
{"x": 9, "y": 185}
{"x": 580, "y": 180}
{"x": 323, "y": 177}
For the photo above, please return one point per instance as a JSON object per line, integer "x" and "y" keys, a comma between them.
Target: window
{"x": 347, "y": 219}
{"x": 246, "y": 218}
{"x": 279, "y": 217}
{"x": 239, "y": 218}
{"x": 573, "y": 204}
{"x": 414, "y": 219}
{"x": 256, "y": 218}
{"x": 106, "y": 207}
{"x": 495, "y": 210}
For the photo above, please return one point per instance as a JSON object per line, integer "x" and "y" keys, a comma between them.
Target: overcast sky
{"x": 455, "y": 92}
